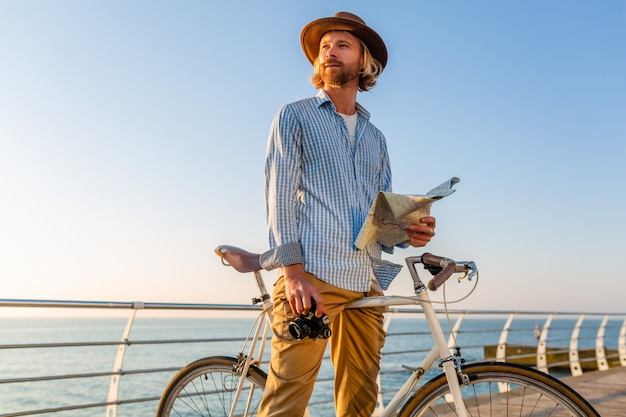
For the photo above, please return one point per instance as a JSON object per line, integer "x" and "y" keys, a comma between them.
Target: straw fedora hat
{"x": 313, "y": 32}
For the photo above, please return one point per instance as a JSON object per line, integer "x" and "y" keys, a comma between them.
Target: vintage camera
{"x": 307, "y": 325}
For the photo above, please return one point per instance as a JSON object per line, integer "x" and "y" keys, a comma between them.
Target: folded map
{"x": 391, "y": 214}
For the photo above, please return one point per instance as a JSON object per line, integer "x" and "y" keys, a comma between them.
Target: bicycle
{"x": 233, "y": 386}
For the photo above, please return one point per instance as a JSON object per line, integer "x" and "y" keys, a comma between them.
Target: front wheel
{"x": 500, "y": 389}
{"x": 208, "y": 387}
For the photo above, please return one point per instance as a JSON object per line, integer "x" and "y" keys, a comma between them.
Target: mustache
{"x": 331, "y": 61}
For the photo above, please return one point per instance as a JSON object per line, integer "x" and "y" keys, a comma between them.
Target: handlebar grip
{"x": 434, "y": 260}
{"x": 449, "y": 268}
{"x": 438, "y": 280}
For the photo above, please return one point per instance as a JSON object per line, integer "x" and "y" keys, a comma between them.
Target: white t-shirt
{"x": 351, "y": 125}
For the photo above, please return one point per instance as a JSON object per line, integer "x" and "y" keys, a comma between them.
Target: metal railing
{"x": 103, "y": 370}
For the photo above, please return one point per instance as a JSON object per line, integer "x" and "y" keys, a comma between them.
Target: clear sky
{"x": 133, "y": 136}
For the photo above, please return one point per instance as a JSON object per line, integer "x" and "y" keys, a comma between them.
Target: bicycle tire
{"x": 528, "y": 392}
{"x": 206, "y": 387}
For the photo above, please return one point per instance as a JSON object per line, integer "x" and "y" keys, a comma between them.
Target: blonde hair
{"x": 367, "y": 77}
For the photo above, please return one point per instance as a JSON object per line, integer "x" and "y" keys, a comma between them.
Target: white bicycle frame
{"x": 440, "y": 349}
{"x": 263, "y": 324}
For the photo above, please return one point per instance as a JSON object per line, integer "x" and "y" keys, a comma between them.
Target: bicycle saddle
{"x": 240, "y": 259}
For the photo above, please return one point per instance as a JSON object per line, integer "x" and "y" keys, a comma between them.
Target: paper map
{"x": 391, "y": 213}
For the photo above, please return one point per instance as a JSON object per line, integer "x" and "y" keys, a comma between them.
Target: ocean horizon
{"x": 23, "y": 355}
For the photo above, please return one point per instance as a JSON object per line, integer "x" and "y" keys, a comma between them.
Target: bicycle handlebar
{"x": 448, "y": 267}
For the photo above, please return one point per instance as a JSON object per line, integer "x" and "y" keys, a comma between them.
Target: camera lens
{"x": 298, "y": 329}
{"x": 324, "y": 333}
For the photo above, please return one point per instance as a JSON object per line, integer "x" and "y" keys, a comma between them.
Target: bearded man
{"x": 325, "y": 164}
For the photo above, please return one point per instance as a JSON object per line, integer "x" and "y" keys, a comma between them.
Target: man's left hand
{"x": 421, "y": 233}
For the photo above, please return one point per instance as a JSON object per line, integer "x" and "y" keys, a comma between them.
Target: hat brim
{"x": 313, "y": 32}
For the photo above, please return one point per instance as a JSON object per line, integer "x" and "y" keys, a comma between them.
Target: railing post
{"x": 542, "y": 348}
{"x": 603, "y": 364}
{"x": 622, "y": 344}
{"x": 574, "y": 358}
{"x": 114, "y": 385}
{"x": 501, "y": 350}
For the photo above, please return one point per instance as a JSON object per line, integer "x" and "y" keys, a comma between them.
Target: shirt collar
{"x": 322, "y": 97}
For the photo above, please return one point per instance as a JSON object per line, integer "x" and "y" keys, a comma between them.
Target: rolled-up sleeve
{"x": 283, "y": 255}
{"x": 282, "y": 182}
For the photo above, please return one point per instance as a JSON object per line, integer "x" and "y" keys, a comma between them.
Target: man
{"x": 325, "y": 164}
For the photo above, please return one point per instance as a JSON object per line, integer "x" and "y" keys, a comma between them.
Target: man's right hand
{"x": 299, "y": 291}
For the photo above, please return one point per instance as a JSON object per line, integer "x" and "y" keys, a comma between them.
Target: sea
{"x": 30, "y": 348}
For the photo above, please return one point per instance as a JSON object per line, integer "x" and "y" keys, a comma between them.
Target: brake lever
{"x": 470, "y": 271}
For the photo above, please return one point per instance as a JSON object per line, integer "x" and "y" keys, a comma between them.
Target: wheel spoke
{"x": 208, "y": 387}
{"x": 500, "y": 390}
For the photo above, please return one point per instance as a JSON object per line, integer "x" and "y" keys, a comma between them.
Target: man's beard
{"x": 338, "y": 76}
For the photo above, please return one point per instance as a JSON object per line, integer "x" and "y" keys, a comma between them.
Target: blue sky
{"x": 133, "y": 134}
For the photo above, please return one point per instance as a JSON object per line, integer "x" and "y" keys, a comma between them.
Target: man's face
{"x": 340, "y": 58}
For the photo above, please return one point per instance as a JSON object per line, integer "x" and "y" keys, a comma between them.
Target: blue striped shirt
{"x": 319, "y": 188}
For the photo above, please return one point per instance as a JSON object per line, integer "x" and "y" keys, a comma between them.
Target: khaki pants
{"x": 355, "y": 349}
